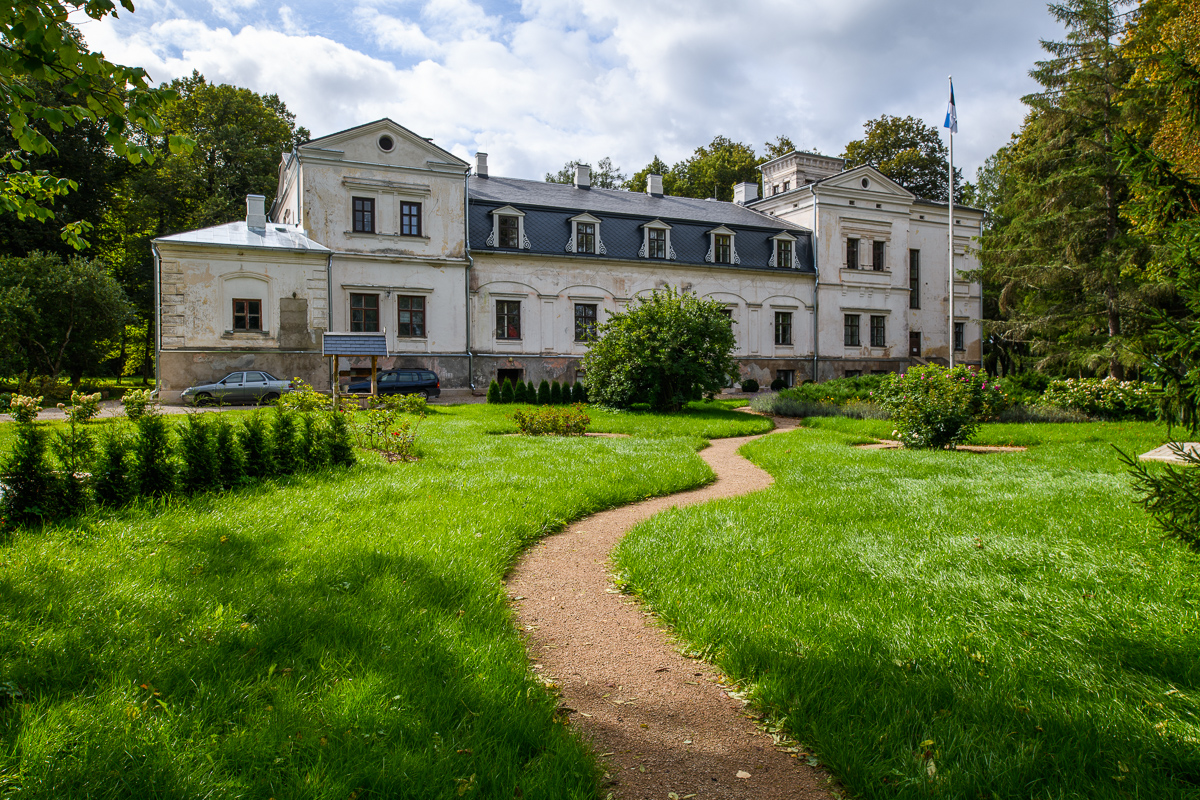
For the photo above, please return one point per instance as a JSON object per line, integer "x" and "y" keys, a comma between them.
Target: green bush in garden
{"x": 314, "y": 441}
{"x": 1170, "y": 494}
{"x": 837, "y": 392}
{"x": 548, "y": 421}
{"x": 1105, "y": 398}
{"x": 507, "y": 393}
{"x": 111, "y": 484}
{"x": 935, "y": 407}
{"x": 543, "y": 393}
{"x": 530, "y": 392}
{"x": 287, "y": 444}
{"x": 493, "y": 392}
{"x": 341, "y": 445}
{"x": 750, "y": 385}
{"x": 230, "y": 455}
{"x": 1025, "y": 388}
{"x": 198, "y": 465}
{"x": 520, "y": 395}
{"x": 777, "y": 384}
{"x": 556, "y": 395}
{"x": 137, "y": 403}
{"x": 30, "y": 484}
{"x": 256, "y": 444}
{"x": 579, "y": 393}
{"x": 153, "y": 472}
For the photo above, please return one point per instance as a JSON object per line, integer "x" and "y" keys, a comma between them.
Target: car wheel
{"x": 423, "y": 394}
{"x": 270, "y": 397}
{"x": 202, "y": 399}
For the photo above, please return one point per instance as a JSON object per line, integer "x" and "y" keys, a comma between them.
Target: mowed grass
{"x": 949, "y": 624}
{"x": 337, "y": 635}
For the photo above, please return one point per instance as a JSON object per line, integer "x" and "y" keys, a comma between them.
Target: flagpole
{"x": 950, "y": 237}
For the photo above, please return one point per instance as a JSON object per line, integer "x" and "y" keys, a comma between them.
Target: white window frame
{"x": 493, "y": 239}
{"x": 585, "y": 217}
{"x": 786, "y": 237}
{"x": 659, "y": 225}
{"x": 721, "y": 230}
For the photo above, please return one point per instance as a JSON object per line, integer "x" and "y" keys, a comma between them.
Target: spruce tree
{"x": 543, "y": 393}
{"x": 493, "y": 392}
{"x": 506, "y": 392}
{"x": 556, "y": 396}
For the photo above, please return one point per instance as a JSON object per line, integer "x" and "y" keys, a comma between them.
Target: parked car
{"x": 401, "y": 381}
{"x": 239, "y": 387}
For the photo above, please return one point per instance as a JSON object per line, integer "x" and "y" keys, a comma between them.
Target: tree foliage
{"x": 41, "y": 48}
{"x": 665, "y": 349}
{"x": 909, "y": 152}
{"x": 604, "y": 174}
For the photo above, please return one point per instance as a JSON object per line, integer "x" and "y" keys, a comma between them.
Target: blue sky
{"x": 538, "y": 82}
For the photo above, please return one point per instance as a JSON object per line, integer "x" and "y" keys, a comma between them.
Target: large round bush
{"x": 936, "y": 407}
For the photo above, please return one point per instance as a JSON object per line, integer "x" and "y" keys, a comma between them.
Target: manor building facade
{"x": 832, "y": 272}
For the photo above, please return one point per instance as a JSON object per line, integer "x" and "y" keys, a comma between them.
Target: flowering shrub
{"x": 404, "y": 403}
{"x": 304, "y": 398}
{"x": 24, "y": 409}
{"x": 384, "y": 429}
{"x": 83, "y": 408}
{"x": 552, "y": 421}
{"x": 936, "y": 407}
{"x": 139, "y": 403}
{"x": 1107, "y": 397}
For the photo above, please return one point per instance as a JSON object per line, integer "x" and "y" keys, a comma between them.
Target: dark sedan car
{"x": 402, "y": 381}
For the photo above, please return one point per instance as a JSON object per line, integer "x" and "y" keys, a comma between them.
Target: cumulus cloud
{"x": 551, "y": 80}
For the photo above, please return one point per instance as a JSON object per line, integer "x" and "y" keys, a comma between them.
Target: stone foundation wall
{"x": 181, "y": 369}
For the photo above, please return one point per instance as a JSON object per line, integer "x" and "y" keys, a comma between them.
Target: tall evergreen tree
{"x": 1063, "y": 254}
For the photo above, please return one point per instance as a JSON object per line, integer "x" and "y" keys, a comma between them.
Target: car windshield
{"x": 233, "y": 377}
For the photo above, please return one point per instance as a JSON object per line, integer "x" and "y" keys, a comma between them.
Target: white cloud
{"x": 562, "y": 79}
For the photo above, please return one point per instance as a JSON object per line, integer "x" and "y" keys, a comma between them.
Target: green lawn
{"x": 335, "y": 635}
{"x": 949, "y": 624}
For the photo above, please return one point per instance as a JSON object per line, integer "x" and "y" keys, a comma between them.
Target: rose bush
{"x": 935, "y": 407}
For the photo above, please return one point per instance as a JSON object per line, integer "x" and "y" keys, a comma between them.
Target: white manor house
{"x": 833, "y": 272}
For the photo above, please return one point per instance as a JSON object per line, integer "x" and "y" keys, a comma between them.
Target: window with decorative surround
{"x": 656, "y": 241}
{"x": 585, "y": 236}
{"x": 722, "y": 249}
{"x": 783, "y": 251}
{"x": 878, "y": 255}
{"x": 410, "y": 316}
{"x": 585, "y": 322}
{"x": 247, "y": 315}
{"x": 783, "y": 327}
{"x": 508, "y": 229}
{"x": 852, "y": 254}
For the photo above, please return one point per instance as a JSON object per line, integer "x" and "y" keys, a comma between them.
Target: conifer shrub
{"x": 530, "y": 393}
{"x": 287, "y": 443}
{"x": 256, "y": 445}
{"x": 111, "y": 484}
{"x": 520, "y": 393}
{"x": 777, "y": 384}
{"x": 750, "y": 385}
{"x": 153, "y": 471}
{"x": 314, "y": 441}
{"x": 341, "y": 445}
{"x": 198, "y": 470}
{"x": 579, "y": 393}
{"x": 543, "y": 393}
{"x": 230, "y": 457}
{"x": 507, "y": 393}
{"x": 493, "y": 392}
{"x": 30, "y": 483}
{"x": 1171, "y": 495}
{"x": 556, "y": 395}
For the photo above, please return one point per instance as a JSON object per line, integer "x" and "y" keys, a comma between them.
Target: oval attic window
{"x": 865, "y": 183}
{"x": 386, "y": 144}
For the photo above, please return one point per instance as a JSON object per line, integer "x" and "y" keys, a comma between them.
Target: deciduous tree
{"x": 909, "y": 152}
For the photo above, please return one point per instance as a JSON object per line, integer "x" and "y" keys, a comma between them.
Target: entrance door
{"x": 513, "y": 375}
{"x": 914, "y": 343}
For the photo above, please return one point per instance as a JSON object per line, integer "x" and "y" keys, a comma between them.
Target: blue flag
{"x": 951, "y": 112}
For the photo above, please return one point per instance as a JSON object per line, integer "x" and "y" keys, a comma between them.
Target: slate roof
{"x": 275, "y": 236}
{"x": 549, "y": 207}
{"x": 353, "y": 344}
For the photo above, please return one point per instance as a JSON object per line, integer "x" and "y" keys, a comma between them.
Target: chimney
{"x": 481, "y": 165}
{"x": 744, "y": 192}
{"x": 256, "y": 217}
{"x": 583, "y": 176}
{"x": 654, "y": 185}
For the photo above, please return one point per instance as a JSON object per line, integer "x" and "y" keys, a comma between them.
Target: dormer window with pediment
{"x": 656, "y": 241}
{"x": 783, "y": 251}
{"x": 585, "y": 236}
{"x": 508, "y": 229}
{"x": 721, "y": 247}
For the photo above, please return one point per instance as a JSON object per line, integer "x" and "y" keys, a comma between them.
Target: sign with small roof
{"x": 335, "y": 344}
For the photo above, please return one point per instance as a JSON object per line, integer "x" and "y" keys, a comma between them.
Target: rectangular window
{"x": 585, "y": 322}
{"x": 914, "y": 344}
{"x": 510, "y": 232}
{"x": 914, "y": 278}
{"x": 850, "y": 331}
{"x": 722, "y": 247}
{"x": 364, "y": 313}
{"x": 960, "y": 336}
{"x": 585, "y": 237}
{"x": 787, "y": 186}
{"x": 783, "y": 327}
{"x": 364, "y": 215}
{"x": 853, "y": 373}
{"x": 775, "y": 188}
{"x": 658, "y": 243}
{"x": 783, "y": 254}
{"x": 410, "y": 219}
{"x": 508, "y": 319}
{"x": 247, "y": 315}
{"x": 410, "y": 317}
{"x": 852, "y": 254}
{"x": 788, "y": 376}
{"x": 878, "y": 256}
{"x": 878, "y": 332}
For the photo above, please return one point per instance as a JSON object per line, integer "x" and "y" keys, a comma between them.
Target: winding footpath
{"x": 661, "y": 722}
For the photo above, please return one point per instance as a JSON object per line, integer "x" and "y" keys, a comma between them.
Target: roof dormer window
{"x": 783, "y": 251}
{"x": 656, "y": 241}
{"x": 585, "y": 236}
{"x": 721, "y": 248}
{"x": 508, "y": 229}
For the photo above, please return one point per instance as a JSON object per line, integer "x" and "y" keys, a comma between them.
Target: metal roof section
{"x": 274, "y": 236}
{"x": 354, "y": 344}
{"x": 521, "y": 192}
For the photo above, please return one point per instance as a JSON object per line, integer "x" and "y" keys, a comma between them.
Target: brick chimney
{"x": 256, "y": 217}
{"x": 654, "y": 185}
{"x": 744, "y": 193}
{"x": 583, "y": 176}
{"x": 481, "y": 165}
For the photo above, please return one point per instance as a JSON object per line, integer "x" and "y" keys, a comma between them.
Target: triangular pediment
{"x": 585, "y": 217}
{"x": 722, "y": 230}
{"x": 876, "y": 183}
{"x": 785, "y": 236}
{"x": 507, "y": 211}
{"x": 363, "y": 143}
{"x": 656, "y": 223}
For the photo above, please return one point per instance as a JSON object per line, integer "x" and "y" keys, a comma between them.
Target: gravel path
{"x": 661, "y": 722}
